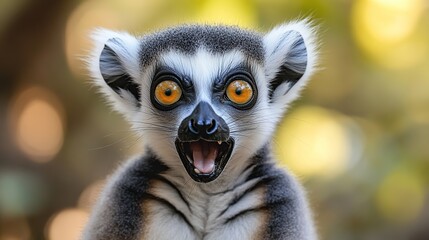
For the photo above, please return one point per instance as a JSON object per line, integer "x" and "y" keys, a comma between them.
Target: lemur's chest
{"x": 174, "y": 213}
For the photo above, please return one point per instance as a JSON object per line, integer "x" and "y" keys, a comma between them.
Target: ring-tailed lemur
{"x": 207, "y": 100}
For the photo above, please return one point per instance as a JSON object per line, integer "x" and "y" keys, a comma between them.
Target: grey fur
{"x": 121, "y": 214}
{"x": 152, "y": 197}
{"x": 121, "y": 217}
{"x": 188, "y": 38}
{"x": 284, "y": 200}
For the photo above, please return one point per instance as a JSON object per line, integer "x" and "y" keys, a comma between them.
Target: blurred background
{"x": 358, "y": 138}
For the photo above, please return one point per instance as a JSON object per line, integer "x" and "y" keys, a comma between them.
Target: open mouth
{"x": 204, "y": 160}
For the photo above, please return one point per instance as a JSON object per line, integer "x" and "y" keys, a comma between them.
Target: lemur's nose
{"x": 203, "y": 123}
{"x": 203, "y": 120}
{"x": 203, "y": 126}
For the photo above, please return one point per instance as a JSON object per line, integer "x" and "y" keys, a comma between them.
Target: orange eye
{"x": 167, "y": 92}
{"x": 239, "y": 92}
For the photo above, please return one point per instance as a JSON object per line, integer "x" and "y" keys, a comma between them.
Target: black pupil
{"x": 167, "y": 92}
{"x": 238, "y": 91}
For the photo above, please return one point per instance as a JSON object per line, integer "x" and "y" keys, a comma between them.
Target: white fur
{"x": 274, "y": 59}
{"x": 127, "y": 52}
{"x": 204, "y": 214}
{"x": 250, "y": 131}
{"x": 202, "y": 67}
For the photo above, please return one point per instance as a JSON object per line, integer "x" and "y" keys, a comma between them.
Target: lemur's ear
{"x": 290, "y": 59}
{"x": 114, "y": 65}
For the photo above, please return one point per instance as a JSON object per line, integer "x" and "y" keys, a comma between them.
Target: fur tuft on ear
{"x": 291, "y": 54}
{"x": 114, "y": 66}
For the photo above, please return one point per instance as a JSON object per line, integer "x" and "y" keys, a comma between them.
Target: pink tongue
{"x": 204, "y": 154}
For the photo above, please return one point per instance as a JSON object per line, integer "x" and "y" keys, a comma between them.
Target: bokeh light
{"x": 10, "y": 8}
{"x": 314, "y": 142}
{"x": 9, "y": 237}
{"x": 383, "y": 29}
{"x": 16, "y": 229}
{"x": 241, "y": 12}
{"x": 89, "y": 195}
{"x": 21, "y": 193}
{"x": 66, "y": 225}
{"x": 388, "y": 21}
{"x": 37, "y": 123}
{"x": 86, "y": 17}
{"x": 361, "y": 155}
{"x": 400, "y": 196}
{"x": 135, "y": 14}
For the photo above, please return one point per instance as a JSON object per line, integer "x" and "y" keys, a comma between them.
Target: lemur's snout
{"x": 203, "y": 123}
{"x": 203, "y": 143}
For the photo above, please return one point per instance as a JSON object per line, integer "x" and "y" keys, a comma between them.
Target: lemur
{"x": 206, "y": 99}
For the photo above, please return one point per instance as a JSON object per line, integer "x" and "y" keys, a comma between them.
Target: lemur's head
{"x": 210, "y": 96}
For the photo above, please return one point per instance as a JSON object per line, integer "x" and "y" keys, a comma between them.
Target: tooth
{"x": 189, "y": 159}
{"x": 197, "y": 171}
{"x": 219, "y": 142}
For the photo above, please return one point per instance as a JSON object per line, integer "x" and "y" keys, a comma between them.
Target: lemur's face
{"x": 204, "y": 98}
{"x": 213, "y": 105}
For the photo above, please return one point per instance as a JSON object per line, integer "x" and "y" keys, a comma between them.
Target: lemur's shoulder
{"x": 285, "y": 200}
{"x": 118, "y": 214}
{"x": 121, "y": 211}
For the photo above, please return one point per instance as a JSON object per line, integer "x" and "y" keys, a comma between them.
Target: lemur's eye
{"x": 167, "y": 92}
{"x": 239, "y": 92}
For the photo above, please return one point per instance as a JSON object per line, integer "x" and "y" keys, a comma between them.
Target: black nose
{"x": 203, "y": 126}
{"x": 203, "y": 120}
{"x": 204, "y": 123}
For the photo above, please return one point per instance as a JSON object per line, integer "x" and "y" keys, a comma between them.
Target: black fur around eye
{"x": 169, "y": 83}
{"x": 215, "y": 148}
{"x": 177, "y": 90}
{"x": 167, "y": 92}
{"x": 240, "y": 91}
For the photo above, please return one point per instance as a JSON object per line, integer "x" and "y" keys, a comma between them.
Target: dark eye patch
{"x": 222, "y": 81}
{"x": 163, "y": 73}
